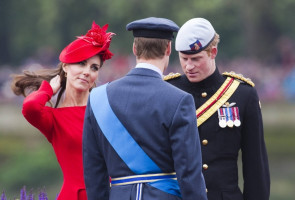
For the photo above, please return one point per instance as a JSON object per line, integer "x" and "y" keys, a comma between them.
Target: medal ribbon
{"x": 230, "y": 114}
{"x": 236, "y": 113}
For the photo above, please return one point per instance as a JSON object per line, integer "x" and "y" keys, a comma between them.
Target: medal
{"x": 237, "y": 123}
{"x": 236, "y": 116}
{"x": 230, "y": 123}
{"x": 222, "y": 118}
{"x": 229, "y": 116}
{"x": 222, "y": 123}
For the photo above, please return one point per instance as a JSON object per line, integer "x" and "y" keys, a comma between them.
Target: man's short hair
{"x": 150, "y": 48}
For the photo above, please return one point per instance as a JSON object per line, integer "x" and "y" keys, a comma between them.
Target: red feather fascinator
{"x": 95, "y": 41}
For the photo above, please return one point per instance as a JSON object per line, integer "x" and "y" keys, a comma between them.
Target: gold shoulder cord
{"x": 240, "y": 77}
{"x": 171, "y": 75}
{"x": 210, "y": 111}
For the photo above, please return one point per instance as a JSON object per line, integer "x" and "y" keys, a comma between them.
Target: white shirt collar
{"x": 149, "y": 66}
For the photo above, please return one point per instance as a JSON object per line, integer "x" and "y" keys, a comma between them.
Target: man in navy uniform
{"x": 142, "y": 131}
{"x": 228, "y": 117}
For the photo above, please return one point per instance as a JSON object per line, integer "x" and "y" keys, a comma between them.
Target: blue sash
{"x": 123, "y": 143}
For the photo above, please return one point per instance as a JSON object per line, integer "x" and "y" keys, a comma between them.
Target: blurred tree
{"x": 260, "y": 30}
{"x": 4, "y": 24}
{"x": 74, "y": 18}
{"x": 40, "y": 29}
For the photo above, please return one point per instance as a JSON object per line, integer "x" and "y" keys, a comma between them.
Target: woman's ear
{"x": 65, "y": 67}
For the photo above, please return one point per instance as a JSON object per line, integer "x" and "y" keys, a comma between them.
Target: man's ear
{"x": 214, "y": 52}
{"x": 134, "y": 49}
{"x": 168, "y": 50}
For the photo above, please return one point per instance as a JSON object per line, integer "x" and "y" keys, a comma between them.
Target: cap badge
{"x": 196, "y": 45}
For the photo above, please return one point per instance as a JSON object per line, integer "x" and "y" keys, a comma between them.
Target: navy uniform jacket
{"x": 220, "y": 146}
{"x": 161, "y": 119}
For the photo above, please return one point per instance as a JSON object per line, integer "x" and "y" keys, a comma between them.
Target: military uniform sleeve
{"x": 254, "y": 155}
{"x": 35, "y": 111}
{"x": 186, "y": 151}
{"x": 95, "y": 171}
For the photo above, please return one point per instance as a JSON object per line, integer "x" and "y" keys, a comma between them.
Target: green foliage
{"x": 27, "y": 164}
{"x": 279, "y": 129}
{"x": 284, "y": 16}
{"x": 34, "y": 28}
{"x": 280, "y": 141}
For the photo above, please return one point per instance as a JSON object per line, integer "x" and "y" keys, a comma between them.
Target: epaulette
{"x": 171, "y": 75}
{"x": 240, "y": 77}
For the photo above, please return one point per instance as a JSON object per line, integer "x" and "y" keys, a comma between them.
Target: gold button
{"x": 205, "y": 166}
{"x": 206, "y": 190}
{"x": 204, "y": 142}
{"x": 204, "y": 94}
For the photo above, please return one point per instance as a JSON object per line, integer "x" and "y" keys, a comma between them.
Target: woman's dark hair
{"x": 24, "y": 84}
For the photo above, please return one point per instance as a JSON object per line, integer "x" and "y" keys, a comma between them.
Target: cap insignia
{"x": 171, "y": 75}
{"x": 195, "y": 46}
{"x": 240, "y": 77}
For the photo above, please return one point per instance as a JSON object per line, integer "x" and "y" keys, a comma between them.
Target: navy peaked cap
{"x": 153, "y": 27}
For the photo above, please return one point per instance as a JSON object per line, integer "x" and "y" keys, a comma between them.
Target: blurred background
{"x": 257, "y": 40}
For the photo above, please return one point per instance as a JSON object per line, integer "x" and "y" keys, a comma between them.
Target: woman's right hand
{"x": 55, "y": 84}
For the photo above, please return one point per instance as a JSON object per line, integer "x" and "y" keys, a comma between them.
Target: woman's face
{"x": 82, "y": 76}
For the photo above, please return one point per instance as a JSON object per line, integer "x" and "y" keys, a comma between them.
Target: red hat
{"x": 96, "y": 41}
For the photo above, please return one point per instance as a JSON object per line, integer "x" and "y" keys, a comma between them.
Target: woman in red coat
{"x": 62, "y": 125}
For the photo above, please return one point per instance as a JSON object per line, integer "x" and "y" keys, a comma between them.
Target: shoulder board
{"x": 239, "y": 77}
{"x": 171, "y": 75}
